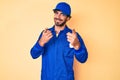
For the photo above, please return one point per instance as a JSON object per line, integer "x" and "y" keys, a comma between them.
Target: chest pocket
{"x": 68, "y": 52}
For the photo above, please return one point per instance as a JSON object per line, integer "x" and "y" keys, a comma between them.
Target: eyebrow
{"x": 60, "y": 11}
{"x": 57, "y": 10}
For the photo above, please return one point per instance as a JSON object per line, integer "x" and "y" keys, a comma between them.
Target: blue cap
{"x": 64, "y": 7}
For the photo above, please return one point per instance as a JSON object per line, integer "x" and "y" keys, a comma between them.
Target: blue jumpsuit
{"x": 58, "y": 57}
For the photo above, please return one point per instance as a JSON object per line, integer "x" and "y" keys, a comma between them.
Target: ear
{"x": 68, "y": 18}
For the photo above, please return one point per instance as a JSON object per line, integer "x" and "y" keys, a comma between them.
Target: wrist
{"x": 41, "y": 43}
{"x": 77, "y": 46}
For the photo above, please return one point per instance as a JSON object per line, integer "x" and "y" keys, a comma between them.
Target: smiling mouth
{"x": 58, "y": 19}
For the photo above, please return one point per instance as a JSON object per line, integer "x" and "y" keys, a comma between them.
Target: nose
{"x": 58, "y": 16}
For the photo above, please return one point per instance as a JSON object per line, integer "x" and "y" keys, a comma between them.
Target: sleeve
{"x": 81, "y": 54}
{"x": 37, "y": 50}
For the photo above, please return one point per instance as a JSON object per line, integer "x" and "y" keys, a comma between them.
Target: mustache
{"x": 58, "y": 19}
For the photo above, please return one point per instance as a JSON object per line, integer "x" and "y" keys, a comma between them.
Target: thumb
{"x": 73, "y": 31}
{"x": 45, "y": 30}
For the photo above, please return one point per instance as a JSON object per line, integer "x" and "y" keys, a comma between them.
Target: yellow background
{"x": 98, "y": 22}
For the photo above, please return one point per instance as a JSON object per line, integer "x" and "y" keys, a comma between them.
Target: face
{"x": 60, "y": 19}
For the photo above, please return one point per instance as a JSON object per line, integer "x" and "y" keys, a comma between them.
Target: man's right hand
{"x": 46, "y": 36}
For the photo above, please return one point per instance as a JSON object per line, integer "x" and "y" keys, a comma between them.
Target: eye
{"x": 63, "y": 14}
{"x": 56, "y": 12}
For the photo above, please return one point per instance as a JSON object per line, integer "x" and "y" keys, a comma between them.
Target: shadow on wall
{"x": 79, "y": 22}
{"x": 74, "y": 21}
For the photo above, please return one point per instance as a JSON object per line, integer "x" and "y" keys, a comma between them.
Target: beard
{"x": 60, "y": 23}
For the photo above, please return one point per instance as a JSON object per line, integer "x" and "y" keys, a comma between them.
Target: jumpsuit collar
{"x": 64, "y": 30}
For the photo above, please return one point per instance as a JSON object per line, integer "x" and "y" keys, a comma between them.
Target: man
{"x": 58, "y": 46}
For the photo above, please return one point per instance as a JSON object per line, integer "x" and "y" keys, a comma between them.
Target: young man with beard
{"x": 58, "y": 46}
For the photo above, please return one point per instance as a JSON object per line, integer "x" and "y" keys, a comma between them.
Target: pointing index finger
{"x": 45, "y": 30}
{"x": 73, "y": 31}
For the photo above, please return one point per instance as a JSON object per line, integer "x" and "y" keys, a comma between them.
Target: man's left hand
{"x": 73, "y": 39}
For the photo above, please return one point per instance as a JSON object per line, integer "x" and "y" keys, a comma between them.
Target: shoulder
{"x": 51, "y": 28}
{"x": 68, "y": 29}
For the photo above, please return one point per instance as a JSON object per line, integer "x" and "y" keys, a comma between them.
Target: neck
{"x": 59, "y": 28}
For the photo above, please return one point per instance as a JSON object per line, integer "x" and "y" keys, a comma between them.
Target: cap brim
{"x": 61, "y": 11}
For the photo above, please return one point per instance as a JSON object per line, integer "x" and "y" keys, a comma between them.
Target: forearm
{"x": 36, "y": 51}
{"x": 81, "y": 55}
